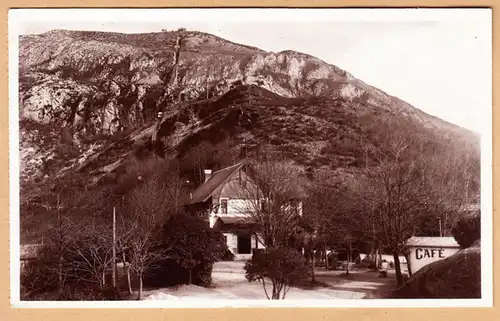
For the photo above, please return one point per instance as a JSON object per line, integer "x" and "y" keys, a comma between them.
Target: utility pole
{"x": 114, "y": 246}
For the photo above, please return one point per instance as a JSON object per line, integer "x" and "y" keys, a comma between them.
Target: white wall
{"x": 421, "y": 256}
{"x": 240, "y": 206}
{"x": 232, "y": 242}
{"x": 243, "y": 206}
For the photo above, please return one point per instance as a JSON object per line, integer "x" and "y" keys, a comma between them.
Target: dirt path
{"x": 229, "y": 282}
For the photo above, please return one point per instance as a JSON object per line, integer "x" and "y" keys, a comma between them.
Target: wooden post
{"x": 114, "y": 247}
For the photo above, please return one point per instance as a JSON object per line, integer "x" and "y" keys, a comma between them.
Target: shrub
{"x": 467, "y": 230}
{"x": 86, "y": 292}
{"x": 193, "y": 242}
{"x": 333, "y": 261}
{"x": 165, "y": 273}
{"x": 228, "y": 256}
{"x": 202, "y": 273}
{"x": 193, "y": 247}
{"x": 36, "y": 278}
{"x": 39, "y": 282}
{"x": 282, "y": 266}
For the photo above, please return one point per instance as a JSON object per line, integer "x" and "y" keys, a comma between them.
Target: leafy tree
{"x": 192, "y": 242}
{"x": 467, "y": 230}
{"x": 282, "y": 267}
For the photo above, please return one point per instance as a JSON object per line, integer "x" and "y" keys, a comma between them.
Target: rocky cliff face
{"x": 90, "y": 98}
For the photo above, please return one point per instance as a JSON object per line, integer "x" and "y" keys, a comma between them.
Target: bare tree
{"x": 318, "y": 210}
{"x": 271, "y": 200}
{"x": 397, "y": 187}
{"x": 150, "y": 204}
{"x": 457, "y": 182}
{"x": 74, "y": 242}
{"x": 57, "y": 239}
{"x": 91, "y": 251}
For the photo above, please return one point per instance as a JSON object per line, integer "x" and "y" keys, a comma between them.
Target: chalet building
{"x": 226, "y": 199}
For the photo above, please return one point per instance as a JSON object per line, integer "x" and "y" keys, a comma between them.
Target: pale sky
{"x": 437, "y": 60}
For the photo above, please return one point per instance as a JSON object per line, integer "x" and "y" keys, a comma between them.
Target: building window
{"x": 223, "y": 206}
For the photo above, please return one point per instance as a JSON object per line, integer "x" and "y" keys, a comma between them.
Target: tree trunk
{"x": 139, "y": 295}
{"x": 313, "y": 277}
{"x": 127, "y": 267}
{"x": 276, "y": 295}
{"x": 103, "y": 283}
{"x": 371, "y": 256}
{"x": 377, "y": 258}
{"x": 348, "y": 259}
{"x": 190, "y": 281}
{"x": 327, "y": 264}
{"x": 59, "y": 273}
{"x": 397, "y": 267}
{"x": 407, "y": 257}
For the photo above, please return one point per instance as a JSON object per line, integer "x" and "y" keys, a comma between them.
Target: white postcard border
{"x": 19, "y": 16}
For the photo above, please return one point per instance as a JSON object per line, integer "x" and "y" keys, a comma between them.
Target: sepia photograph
{"x": 250, "y": 157}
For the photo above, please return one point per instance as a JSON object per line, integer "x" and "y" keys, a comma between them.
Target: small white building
{"x": 425, "y": 250}
{"x": 228, "y": 197}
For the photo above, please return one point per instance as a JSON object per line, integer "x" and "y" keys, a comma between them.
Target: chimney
{"x": 208, "y": 173}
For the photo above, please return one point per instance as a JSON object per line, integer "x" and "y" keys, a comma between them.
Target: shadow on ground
{"x": 362, "y": 281}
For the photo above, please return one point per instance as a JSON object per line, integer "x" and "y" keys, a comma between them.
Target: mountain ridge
{"x": 79, "y": 89}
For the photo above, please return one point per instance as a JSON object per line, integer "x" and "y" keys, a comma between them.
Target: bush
{"x": 193, "y": 248}
{"x": 166, "y": 273}
{"x": 228, "y": 256}
{"x": 169, "y": 273}
{"x": 202, "y": 274}
{"x": 39, "y": 282}
{"x": 36, "y": 278}
{"x": 467, "y": 231}
{"x": 80, "y": 292}
{"x": 283, "y": 266}
{"x": 366, "y": 263}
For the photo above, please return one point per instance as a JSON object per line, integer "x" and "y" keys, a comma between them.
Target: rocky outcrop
{"x": 99, "y": 86}
{"x": 60, "y": 69}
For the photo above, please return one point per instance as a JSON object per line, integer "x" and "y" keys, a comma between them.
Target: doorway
{"x": 244, "y": 244}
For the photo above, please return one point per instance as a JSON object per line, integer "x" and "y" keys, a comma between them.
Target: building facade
{"x": 229, "y": 199}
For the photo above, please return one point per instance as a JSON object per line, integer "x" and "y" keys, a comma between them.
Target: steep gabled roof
{"x": 205, "y": 190}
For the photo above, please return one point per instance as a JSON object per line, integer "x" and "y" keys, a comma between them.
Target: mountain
{"x": 88, "y": 103}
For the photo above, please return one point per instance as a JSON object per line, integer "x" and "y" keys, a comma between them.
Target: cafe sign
{"x": 425, "y": 250}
